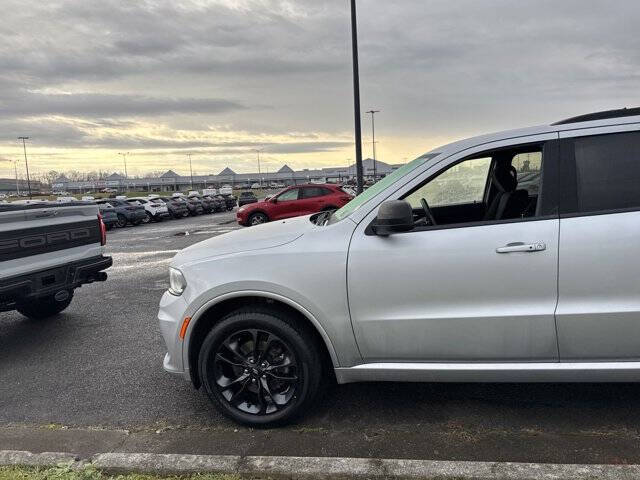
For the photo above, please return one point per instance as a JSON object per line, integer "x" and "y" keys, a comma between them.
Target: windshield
{"x": 378, "y": 187}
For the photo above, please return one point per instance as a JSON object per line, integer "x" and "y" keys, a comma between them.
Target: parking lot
{"x": 96, "y": 370}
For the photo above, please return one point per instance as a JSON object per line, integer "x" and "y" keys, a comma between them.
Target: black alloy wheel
{"x": 259, "y": 369}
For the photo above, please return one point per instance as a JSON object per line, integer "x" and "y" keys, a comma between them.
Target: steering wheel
{"x": 427, "y": 212}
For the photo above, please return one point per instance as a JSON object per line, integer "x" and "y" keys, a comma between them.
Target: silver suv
{"x": 511, "y": 257}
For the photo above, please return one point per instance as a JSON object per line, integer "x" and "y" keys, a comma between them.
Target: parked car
{"x": 246, "y": 198}
{"x": 256, "y": 186}
{"x": 194, "y": 207}
{"x": 208, "y": 205}
{"x": 294, "y": 202}
{"x": 177, "y": 208}
{"x": 225, "y": 190}
{"x": 230, "y": 201}
{"x": 47, "y": 251}
{"x": 127, "y": 213}
{"x": 217, "y": 202}
{"x": 156, "y": 210}
{"x": 109, "y": 215}
{"x": 448, "y": 269}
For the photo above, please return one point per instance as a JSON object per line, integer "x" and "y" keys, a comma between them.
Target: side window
{"x": 462, "y": 183}
{"x": 608, "y": 172}
{"x": 493, "y": 186}
{"x": 289, "y": 195}
{"x": 528, "y": 168}
{"x": 312, "y": 192}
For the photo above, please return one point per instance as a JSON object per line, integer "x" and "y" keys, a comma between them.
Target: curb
{"x": 322, "y": 467}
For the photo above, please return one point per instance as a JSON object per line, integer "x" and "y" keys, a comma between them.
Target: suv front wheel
{"x": 259, "y": 367}
{"x": 258, "y": 218}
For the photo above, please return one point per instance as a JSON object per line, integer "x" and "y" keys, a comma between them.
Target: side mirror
{"x": 394, "y": 216}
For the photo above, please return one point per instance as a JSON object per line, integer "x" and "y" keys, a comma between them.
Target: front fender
{"x": 204, "y": 307}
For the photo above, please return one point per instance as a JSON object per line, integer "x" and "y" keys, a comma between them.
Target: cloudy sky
{"x": 86, "y": 79}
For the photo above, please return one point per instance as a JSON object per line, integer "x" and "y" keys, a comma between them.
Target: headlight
{"x": 177, "y": 282}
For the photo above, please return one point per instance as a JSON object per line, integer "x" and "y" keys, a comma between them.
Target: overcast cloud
{"x": 85, "y": 78}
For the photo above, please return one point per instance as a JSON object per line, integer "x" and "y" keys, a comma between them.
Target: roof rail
{"x": 621, "y": 112}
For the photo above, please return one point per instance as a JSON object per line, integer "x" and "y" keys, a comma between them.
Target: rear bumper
{"x": 47, "y": 282}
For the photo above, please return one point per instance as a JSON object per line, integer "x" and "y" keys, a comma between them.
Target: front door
{"x": 287, "y": 204}
{"x": 478, "y": 286}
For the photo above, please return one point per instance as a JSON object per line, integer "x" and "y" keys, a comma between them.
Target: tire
{"x": 148, "y": 218}
{"x": 158, "y": 218}
{"x": 328, "y": 208}
{"x": 258, "y": 218}
{"x": 122, "y": 221}
{"x": 294, "y": 384}
{"x": 44, "y": 307}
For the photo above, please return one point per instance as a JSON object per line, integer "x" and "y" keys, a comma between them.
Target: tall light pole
{"x": 26, "y": 163}
{"x": 356, "y": 96}
{"x": 124, "y": 157}
{"x": 373, "y": 132}
{"x": 190, "y": 169}
{"x": 259, "y": 174}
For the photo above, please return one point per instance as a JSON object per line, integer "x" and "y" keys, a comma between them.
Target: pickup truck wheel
{"x": 122, "y": 221}
{"x": 258, "y": 218}
{"x": 148, "y": 218}
{"x": 44, "y": 307}
{"x": 260, "y": 368}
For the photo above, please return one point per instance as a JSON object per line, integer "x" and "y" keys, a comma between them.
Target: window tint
{"x": 288, "y": 195}
{"x": 463, "y": 183}
{"x": 608, "y": 172}
{"x": 312, "y": 192}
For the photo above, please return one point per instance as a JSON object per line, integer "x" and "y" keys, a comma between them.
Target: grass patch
{"x": 66, "y": 473}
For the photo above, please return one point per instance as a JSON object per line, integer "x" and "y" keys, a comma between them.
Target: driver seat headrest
{"x": 505, "y": 177}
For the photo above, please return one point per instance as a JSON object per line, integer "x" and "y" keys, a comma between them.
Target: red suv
{"x": 294, "y": 202}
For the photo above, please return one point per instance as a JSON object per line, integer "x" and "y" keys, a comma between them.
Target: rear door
{"x": 598, "y": 314}
{"x": 313, "y": 199}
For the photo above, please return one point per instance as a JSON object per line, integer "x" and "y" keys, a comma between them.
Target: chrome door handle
{"x": 522, "y": 247}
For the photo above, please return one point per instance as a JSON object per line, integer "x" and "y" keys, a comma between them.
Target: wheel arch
{"x": 258, "y": 210}
{"x": 213, "y": 311}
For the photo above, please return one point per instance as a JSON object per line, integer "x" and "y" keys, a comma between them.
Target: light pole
{"x": 190, "y": 169}
{"x": 373, "y": 132}
{"x": 259, "y": 174}
{"x": 356, "y": 96}
{"x": 26, "y": 163}
{"x": 124, "y": 157}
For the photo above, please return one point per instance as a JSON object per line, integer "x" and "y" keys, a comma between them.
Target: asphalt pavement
{"x": 91, "y": 380}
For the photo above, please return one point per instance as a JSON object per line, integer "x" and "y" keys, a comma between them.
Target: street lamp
{"x": 190, "y": 169}
{"x": 124, "y": 157}
{"x": 26, "y": 163}
{"x": 373, "y": 131}
{"x": 356, "y": 96}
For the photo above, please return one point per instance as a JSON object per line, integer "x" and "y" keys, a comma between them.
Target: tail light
{"x": 103, "y": 231}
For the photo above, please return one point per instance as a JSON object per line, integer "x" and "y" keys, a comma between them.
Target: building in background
{"x": 171, "y": 181}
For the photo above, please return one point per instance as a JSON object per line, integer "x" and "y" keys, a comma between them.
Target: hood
{"x": 260, "y": 237}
